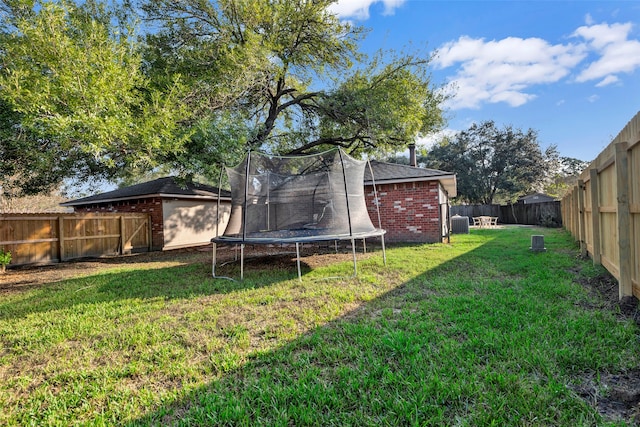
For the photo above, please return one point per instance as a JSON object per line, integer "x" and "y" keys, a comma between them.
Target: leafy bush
{"x": 5, "y": 258}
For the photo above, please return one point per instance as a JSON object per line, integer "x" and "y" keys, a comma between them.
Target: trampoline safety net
{"x": 293, "y": 198}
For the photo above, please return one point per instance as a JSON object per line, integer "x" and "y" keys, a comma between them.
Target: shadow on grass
{"x": 491, "y": 337}
{"x": 184, "y": 281}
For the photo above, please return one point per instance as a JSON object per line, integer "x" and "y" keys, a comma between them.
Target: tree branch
{"x": 337, "y": 141}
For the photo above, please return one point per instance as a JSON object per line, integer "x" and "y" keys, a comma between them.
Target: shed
{"x": 413, "y": 201}
{"x": 182, "y": 214}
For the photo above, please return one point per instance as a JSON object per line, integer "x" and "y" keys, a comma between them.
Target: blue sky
{"x": 568, "y": 69}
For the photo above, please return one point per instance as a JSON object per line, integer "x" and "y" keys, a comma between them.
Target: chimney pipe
{"x": 412, "y": 155}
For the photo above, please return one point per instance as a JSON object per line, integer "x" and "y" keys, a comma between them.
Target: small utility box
{"x": 537, "y": 243}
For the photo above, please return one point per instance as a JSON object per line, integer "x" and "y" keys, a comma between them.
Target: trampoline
{"x": 296, "y": 200}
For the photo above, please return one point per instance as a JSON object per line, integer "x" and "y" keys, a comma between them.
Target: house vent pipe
{"x": 412, "y": 155}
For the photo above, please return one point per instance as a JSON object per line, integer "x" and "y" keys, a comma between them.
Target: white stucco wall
{"x": 192, "y": 222}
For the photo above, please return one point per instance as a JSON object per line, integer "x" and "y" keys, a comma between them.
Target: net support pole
{"x": 268, "y": 202}
{"x": 346, "y": 195}
{"x": 242, "y": 261}
{"x": 377, "y": 203}
{"x": 246, "y": 197}
{"x": 213, "y": 261}
{"x": 298, "y": 261}
{"x": 218, "y": 203}
{"x": 244, "y": 213}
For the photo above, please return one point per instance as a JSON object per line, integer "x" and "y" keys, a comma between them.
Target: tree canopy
{"x": 75, "y": 100}
{"x": 492, "y": 163}
{"x": 112, "y": 90}
{"x": 564, "y": 176}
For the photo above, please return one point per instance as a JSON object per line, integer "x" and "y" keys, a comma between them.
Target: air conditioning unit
{"x": 459, "y": 224}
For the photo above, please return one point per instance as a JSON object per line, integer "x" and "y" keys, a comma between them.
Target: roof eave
{"x": 448, "y": 182}
{"x": 143, "y": 196}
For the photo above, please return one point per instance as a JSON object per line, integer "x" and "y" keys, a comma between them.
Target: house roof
{"x": 393, "y": 173}
{"x": 161, "y": 187}
{"x": 384, "y": 173}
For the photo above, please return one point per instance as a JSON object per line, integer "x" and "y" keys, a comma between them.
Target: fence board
{"x": 54, "y": 238}
{"x": 634, "y": 209}
{"x": 546, "y": 214}
{"x": 612, "y": 211}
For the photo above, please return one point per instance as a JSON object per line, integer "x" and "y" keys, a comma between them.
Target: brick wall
{"x": 152, "y": 206}
{"x": 410, "y": 212}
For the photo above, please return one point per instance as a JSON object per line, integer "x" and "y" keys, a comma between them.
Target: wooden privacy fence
{"x": 44, "y": 238}
{"x": 602, "y": 212}
{"x": 547, "y": 214}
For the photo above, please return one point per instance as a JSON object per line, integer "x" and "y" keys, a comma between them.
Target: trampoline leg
{"x": 298, "y": 261}
{"x": 213, "y": 261}
{"x": 355, "y": 264}
{"x": 242, "y": 261}
{"x": 335, "y": 243}
{"x": 384, "y": 253}
{"x": 364, "y": 246}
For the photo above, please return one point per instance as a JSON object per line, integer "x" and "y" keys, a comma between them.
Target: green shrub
{"x": 5, "y": 259}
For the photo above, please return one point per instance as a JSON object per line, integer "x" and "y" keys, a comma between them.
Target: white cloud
{"x": 430, "y": 140}
{"x": 617, "y": 53}
{"x": 588, "y": 19}
{"x": 593, "y": 98}
{"x": 505, "y": 70}
{"x": 502, "y": 70}
{"x": 359, "y": 9}
{"x": 608, "y": 80}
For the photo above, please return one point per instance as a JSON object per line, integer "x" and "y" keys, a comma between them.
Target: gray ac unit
{"x": 459, "y": 224}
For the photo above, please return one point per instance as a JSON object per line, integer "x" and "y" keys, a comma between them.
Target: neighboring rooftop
{"x": 161, "y": 187}
{"x": 536, "y": 198}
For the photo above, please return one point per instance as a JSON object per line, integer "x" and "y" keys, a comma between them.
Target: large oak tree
{"x": 494, "y": 163}
{"x": 74, "y": 99}
{"x": 290, "y": 72}
{"x": 120, "y": 88}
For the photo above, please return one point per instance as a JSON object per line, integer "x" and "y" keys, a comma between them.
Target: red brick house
{"x": 413, "y": 201}
{"x": 181, "y": 214}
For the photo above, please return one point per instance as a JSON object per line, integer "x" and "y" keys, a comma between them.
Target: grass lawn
{"x": 478, "y": 332}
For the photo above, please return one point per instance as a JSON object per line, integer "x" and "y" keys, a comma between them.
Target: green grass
{"x": 478, "y": 332}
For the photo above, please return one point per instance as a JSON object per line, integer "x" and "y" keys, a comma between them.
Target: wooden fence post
{"x": 595, "y": 216}
{"x": 150, "y": 228}
{"x": 624, "y": 221}
{"x": 122, "y": 239}
{"x": 581, "y": 217}
{"x": 566, "y": 212}
{"x": 61, "y": 238}
{"x": 576, "y": 215}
